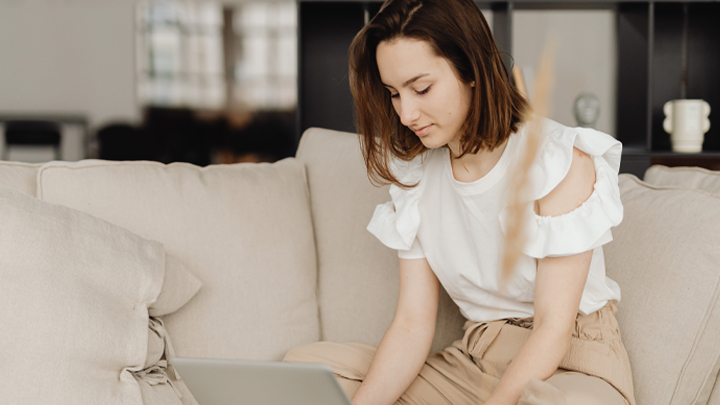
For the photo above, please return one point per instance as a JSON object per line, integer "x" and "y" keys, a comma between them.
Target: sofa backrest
{"x": 357, "y": 275}
{"x": 689, "y": 178}
{"x": 665, "y": 258}
{"x": 715, "y": 394}
{"x": 244, "y": 230}
{"x": 19, "y": 176}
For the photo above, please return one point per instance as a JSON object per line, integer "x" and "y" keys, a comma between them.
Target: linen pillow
{"x": 179, "y": 286}
{"x": 665, "y": 257}
{"x": 244, "y": 230}
{"x": 75, "y": 297}
{"x": 159, "y": 383}
{"x": 696, "y": 178}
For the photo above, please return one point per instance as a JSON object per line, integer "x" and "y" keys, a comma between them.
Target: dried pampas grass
{"x": 519, "y": 199}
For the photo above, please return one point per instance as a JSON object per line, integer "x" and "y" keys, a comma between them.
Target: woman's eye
{"x": 396, "y": 95}
{"x": 421, "y": 92}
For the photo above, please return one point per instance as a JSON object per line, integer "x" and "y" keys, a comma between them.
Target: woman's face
{"x": 426, "y": 93}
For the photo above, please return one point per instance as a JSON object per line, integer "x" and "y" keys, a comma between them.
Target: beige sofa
{"x": 284, "y": 260}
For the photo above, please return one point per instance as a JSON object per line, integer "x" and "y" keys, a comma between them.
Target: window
{"x": 202, "y": 55}
{"x": 266, "y": 61}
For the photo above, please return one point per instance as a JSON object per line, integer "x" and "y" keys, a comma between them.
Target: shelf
{"x": 710, "y": 161}
{"x": 674, "y": 155}
{"x": 670, "y": 154}
{"x": 649, "y": 64}
{"x": 532, "y": 1}
{"x": 703, "y": 64}
{"x": 629, "y": 151}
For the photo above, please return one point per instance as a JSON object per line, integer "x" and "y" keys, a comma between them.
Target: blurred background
{"x": 222, "y": 82}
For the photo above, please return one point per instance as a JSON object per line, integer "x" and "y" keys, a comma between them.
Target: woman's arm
{"x": 406, "y": 344}
{"x": 559, "y": 285}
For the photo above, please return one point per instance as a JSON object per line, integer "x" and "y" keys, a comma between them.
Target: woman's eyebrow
{"x": 411, "y": 81}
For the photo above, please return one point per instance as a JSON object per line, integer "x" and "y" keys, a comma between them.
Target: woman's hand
{"x": 406, "y": 345}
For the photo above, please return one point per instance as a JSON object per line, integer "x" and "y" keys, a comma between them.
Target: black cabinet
{"x": 655, "y": 39}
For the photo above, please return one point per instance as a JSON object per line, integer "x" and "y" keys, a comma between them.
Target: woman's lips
{"x": 423, "y": 131}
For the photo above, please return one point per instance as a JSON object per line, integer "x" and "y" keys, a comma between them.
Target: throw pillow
{"x": 665, "y": 258}
{"x": 75, "y": 297}
{"x": 179, "y": 286}
{"x": 159, "y": 383}
{"x": 76, "y": 293}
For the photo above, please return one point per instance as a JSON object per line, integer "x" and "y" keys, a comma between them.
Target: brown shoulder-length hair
{"x": 457, "y": 31}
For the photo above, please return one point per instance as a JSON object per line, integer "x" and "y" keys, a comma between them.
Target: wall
{"x": 68, "y": 57}
{"x": 77, "y": 56}
{"x": 586, "y": 58}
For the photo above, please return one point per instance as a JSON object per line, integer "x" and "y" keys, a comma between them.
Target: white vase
{"x": 687, "y": 122}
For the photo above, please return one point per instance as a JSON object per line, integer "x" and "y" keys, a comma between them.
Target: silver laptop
{"x": 235, "y": 382}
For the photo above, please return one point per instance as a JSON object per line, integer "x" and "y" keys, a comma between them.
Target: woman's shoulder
{"x": 555, "y": 154}
{"x": 587, "y": 226}
{"x": 588, "y": 140}
{"x": 396, "y": 222}
{"x": 412, "y": 171}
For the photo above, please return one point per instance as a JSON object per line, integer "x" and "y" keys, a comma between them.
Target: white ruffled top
{"x": 459, "y": 227}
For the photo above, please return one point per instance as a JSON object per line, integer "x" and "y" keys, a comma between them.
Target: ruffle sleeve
{"x": 587, "y": 226}
{"x": 396, "y": 222}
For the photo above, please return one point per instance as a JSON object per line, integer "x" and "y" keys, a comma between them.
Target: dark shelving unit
{"x": 650, "y": 50}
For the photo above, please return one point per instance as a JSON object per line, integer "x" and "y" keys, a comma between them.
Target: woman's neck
{"x": 473, "y": 167}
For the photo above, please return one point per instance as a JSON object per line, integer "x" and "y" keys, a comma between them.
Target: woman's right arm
{"x": 406, "y": 344}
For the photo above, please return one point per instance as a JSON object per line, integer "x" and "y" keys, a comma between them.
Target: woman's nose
{"x": 409, "y": 113}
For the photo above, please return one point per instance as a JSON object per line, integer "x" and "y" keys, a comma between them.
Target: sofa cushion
{"x": 696, "y": 178}
{"x": 665, "y": 258}
{"x": 75, "y": 296}
{"x": 715, "y": 396}
{"x": 243, "y": 229}
{"x": 19, "y": 176}
{"x": 358, "y": 275}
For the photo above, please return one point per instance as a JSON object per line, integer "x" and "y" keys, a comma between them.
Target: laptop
{"x": 243, "y": 382}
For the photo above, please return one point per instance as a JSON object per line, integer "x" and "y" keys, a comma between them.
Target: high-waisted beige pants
{"x": 595, "y": 370}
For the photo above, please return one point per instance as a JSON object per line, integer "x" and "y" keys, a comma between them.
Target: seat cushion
{"x": 665, "y": 257}
{"x": 75, "y": 297}
{"x": 243, "y": 229}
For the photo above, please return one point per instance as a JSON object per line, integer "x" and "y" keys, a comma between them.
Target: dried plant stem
{"x": 519, "y": 198}
{"x": 519, "y": 81}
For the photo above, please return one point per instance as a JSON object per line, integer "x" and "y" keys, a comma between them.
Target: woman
{"x": 440, "y": 121}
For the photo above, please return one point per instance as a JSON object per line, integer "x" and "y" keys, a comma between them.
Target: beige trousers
{"x": 595, "y": 370}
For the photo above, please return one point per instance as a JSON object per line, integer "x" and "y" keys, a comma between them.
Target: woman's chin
{"x": 430, "y": 144}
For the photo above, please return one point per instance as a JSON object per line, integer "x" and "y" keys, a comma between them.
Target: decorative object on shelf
{"x": 586, "y": 109}
{"x": 687, "y": 122}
